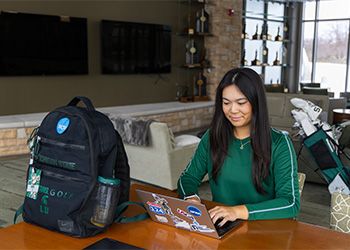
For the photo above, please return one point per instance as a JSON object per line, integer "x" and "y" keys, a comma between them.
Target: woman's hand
{"x": 194, "y": 200}
{"x": 228, "y": 213}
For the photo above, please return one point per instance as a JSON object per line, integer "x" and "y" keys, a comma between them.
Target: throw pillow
{"x": 184, "y": 140}
{"x": 340, "y": 212}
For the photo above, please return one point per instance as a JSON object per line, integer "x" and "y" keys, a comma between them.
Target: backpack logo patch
{"x": 62, "y": 125}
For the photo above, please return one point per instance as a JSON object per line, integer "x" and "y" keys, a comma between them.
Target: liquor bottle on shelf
{"x": 276, "y": 62}
{"x": 256, "y": 61}
{"x": 244, "y": 33}
{"x": 265, "y": 55}
{"x": 191, "y": 53}
{"x": 278, "y": 36}
{"x": 244, "y": 61}
{"x": 202, "y": 21}
{"x": 200, "y": 85}
{"x": 256, "y": 36}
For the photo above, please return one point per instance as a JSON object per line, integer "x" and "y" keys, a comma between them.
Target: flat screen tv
{"x": 135, "y": 48}
{"x": 32, "y": 44}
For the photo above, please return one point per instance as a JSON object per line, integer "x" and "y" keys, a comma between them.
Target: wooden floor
{"x": 315, "y": 200}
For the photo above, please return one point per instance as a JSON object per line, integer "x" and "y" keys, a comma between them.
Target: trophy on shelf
{"x": 276, "y": 62}
{"x": 204, "y": 61}
{"x": 284, "y": 54}
{"x": 244, "y": 61}
{"x": 256, "y": 36}
{"x": 191, "y": 54}
{"x": 200, "y": 87}
{"x": 278, "y": 37}
{"x": 264, "y": 32}
{"x": 285, "y": 31}
{"x": 244, "y": 33}
{"x": 256, "y": 61}
{"x": 202, "y": 21}
{"x": 265, "y": 55}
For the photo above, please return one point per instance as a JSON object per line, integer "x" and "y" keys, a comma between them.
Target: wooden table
{"x": 340, "y": 115}
{"x": 273, "y": 234}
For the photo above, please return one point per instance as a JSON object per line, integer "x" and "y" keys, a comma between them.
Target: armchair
{"x": 162, "y": 162}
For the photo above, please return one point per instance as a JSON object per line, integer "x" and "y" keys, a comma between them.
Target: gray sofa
{"x": 280, "y": 107}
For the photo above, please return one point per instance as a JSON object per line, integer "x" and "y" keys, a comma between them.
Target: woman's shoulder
{"x": 205, "y": 136}
{"x": 279, "y": 136}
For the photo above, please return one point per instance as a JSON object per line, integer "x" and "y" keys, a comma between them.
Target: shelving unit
{"x": 195, "y": 28}
{"x": 273, "y": 22}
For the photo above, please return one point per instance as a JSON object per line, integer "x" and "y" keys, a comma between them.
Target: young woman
{"x": 252, "y": 167}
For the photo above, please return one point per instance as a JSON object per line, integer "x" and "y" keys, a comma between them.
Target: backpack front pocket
{"x": 59, "y": 197}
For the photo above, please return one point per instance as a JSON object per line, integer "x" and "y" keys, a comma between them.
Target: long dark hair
{"x": 221, "y": 129}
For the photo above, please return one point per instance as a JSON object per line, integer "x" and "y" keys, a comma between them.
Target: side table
{"x": 340, "y": 115}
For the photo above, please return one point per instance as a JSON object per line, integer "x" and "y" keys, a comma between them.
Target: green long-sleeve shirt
{"x": 234, "y": 184}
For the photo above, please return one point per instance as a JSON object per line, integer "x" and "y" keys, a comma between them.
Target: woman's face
{"x": 236, "y": 107}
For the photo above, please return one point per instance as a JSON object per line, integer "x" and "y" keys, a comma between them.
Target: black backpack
{"x": 78, "y": 176}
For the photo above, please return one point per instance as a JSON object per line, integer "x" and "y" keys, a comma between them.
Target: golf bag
{"x": 322, "y": 141}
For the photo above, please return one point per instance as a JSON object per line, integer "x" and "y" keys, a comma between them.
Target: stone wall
{"x": 13, "y": 140}
{"x": 224, "y": 47}
{"x": 185, "y": 120}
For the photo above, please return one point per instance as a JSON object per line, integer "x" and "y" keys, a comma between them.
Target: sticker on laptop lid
{"x": 155, "y": 208}
{"x": 162, "y": 219}
{"x": 194, "y": 210}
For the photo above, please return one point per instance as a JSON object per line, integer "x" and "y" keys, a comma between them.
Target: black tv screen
{"x": 135, "y": 48}
{"x": 32, "y": 44}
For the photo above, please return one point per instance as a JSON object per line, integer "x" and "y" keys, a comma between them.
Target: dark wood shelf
{"x": 195, "y": 2}
{"x": 267, "y": 40}
{"x": 265, "y": 65}
{"x": 192, "y": 66}
{"x": 194, "y": 34}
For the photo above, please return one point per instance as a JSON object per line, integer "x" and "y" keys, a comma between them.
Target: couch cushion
{"x": 275, "y": 104}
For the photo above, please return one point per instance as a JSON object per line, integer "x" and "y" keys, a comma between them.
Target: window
{"x": 325, "y": 51}
{"x": 265, "y": 46}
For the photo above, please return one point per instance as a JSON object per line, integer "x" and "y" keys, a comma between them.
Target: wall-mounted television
{"x": 135, "y": 48}
{"x": 35, "y": 44}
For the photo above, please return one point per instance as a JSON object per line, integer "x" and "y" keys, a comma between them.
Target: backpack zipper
{"x": 60, "y": 144}
{"x": 60, "y": 176}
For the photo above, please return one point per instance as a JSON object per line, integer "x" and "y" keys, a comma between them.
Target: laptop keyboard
{"x": 226, "y": 227}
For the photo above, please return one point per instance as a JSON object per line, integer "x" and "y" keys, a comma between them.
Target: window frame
{"x": 317, "y": 21}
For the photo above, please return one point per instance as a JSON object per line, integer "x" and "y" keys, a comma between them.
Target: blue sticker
{"x": 155, "y": 208}
{"x": 194, "y": 211}
{"x": 62, "y": 125}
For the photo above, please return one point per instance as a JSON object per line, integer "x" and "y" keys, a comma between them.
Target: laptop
{"x": 183, "y": 214}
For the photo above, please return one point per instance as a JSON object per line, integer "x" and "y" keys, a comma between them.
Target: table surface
{"x": 273, "y": 234}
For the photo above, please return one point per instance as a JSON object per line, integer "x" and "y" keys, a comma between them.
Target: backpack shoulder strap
{"x": 19, "y": 211}
{"x": 122, "y": 207}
